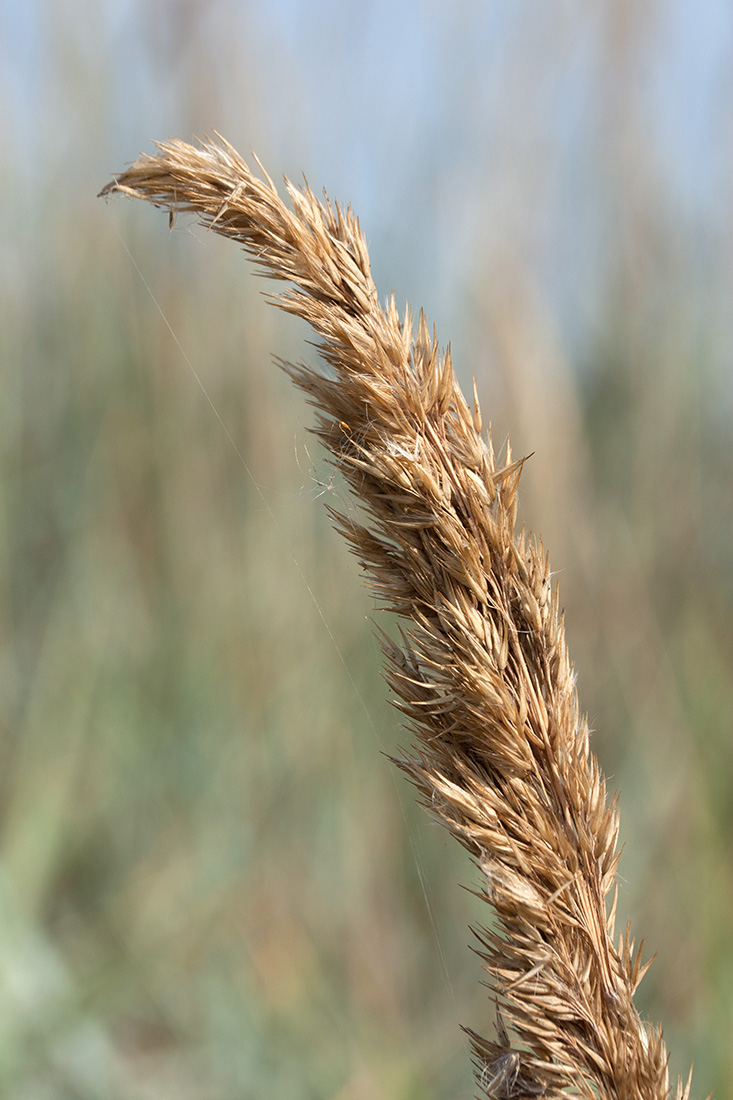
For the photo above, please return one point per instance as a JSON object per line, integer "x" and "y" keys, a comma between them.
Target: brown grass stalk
{"x": 482, "y": 671}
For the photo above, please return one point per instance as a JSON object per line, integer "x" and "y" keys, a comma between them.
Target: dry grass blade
{"x": 482, "y": 672}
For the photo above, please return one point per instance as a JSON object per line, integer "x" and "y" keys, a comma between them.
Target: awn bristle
{"x": 482, "y": 672}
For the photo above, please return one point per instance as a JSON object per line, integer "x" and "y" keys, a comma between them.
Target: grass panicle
{"x": 481, "y": 671}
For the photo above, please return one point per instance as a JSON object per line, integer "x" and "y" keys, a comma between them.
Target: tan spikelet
{"x": 482, "y": 673}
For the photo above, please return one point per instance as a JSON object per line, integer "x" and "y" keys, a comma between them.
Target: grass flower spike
{"x": 482, "y": 672}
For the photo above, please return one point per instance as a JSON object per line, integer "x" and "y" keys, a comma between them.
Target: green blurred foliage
{"x": 212, "y": 882}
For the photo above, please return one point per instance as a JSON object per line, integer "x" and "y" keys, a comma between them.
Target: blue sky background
{"x": 458, "y": 131}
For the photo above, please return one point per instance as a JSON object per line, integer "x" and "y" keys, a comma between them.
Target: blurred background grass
{"x": 212, "y": 885}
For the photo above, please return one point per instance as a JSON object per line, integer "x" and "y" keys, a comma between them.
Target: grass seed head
{"x": 482, "y": 674}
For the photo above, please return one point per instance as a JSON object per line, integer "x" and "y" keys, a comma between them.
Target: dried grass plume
{"x": 482, "y": 673}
